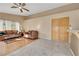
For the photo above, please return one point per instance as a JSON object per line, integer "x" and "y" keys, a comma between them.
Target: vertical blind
{"x": 9, "y": 25}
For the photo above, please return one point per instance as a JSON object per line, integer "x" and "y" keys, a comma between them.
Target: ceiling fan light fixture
{"x": 20, "y": 7}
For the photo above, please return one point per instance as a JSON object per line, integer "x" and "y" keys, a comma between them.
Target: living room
{"x": 24, "y": 26}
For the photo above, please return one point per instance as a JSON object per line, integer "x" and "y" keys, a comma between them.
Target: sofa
{"x": 32, "y": 34}
{"x": 9, "y": 34}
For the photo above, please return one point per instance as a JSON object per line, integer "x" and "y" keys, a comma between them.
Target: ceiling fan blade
{"x": 25, "y": 9}
{"x": 15, "y": 4}
{"x": 20, "y": 4}
{"x": 23, "y": 4}
{"x": 21, "y": 10}
{"x": 14, "y": 7}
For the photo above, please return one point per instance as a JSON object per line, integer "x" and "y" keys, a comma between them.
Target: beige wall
{"x": 15, "y": 18}
{"x": 43, "y": 24}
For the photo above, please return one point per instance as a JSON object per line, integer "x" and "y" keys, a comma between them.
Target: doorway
{"x": 60, "y": 28}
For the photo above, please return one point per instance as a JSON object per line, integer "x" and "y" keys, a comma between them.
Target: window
{"x": 1, "y": 25}
{"x": 9, "y": 25}
{"x": 17, "y": 26}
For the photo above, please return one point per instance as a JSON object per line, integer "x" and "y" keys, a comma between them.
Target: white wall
{"x": 43, "y": 24}
{"x": 73, "y": 17}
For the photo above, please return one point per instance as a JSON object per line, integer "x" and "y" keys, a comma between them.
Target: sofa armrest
{"x": 1, "y": 38}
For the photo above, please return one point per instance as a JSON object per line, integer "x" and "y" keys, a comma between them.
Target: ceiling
{"x": 33, "y": 7}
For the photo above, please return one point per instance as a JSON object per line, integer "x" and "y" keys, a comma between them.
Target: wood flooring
{"x": 6, "y": 48}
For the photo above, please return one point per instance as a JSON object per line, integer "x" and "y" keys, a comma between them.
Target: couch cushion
{"x": 11, "y": 32}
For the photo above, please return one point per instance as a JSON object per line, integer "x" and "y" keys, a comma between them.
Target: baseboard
{"x": 71, "y": 49}
{"x": 72, "y": 52}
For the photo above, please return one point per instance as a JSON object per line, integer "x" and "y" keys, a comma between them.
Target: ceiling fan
{"x": 20, "y": 6}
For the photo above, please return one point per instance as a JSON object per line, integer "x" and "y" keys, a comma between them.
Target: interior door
{"x": 59, "y": 29}
{"x": 55, "y": 29}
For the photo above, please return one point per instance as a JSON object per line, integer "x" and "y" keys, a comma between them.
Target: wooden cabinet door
{"x": 59, "y": 29}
